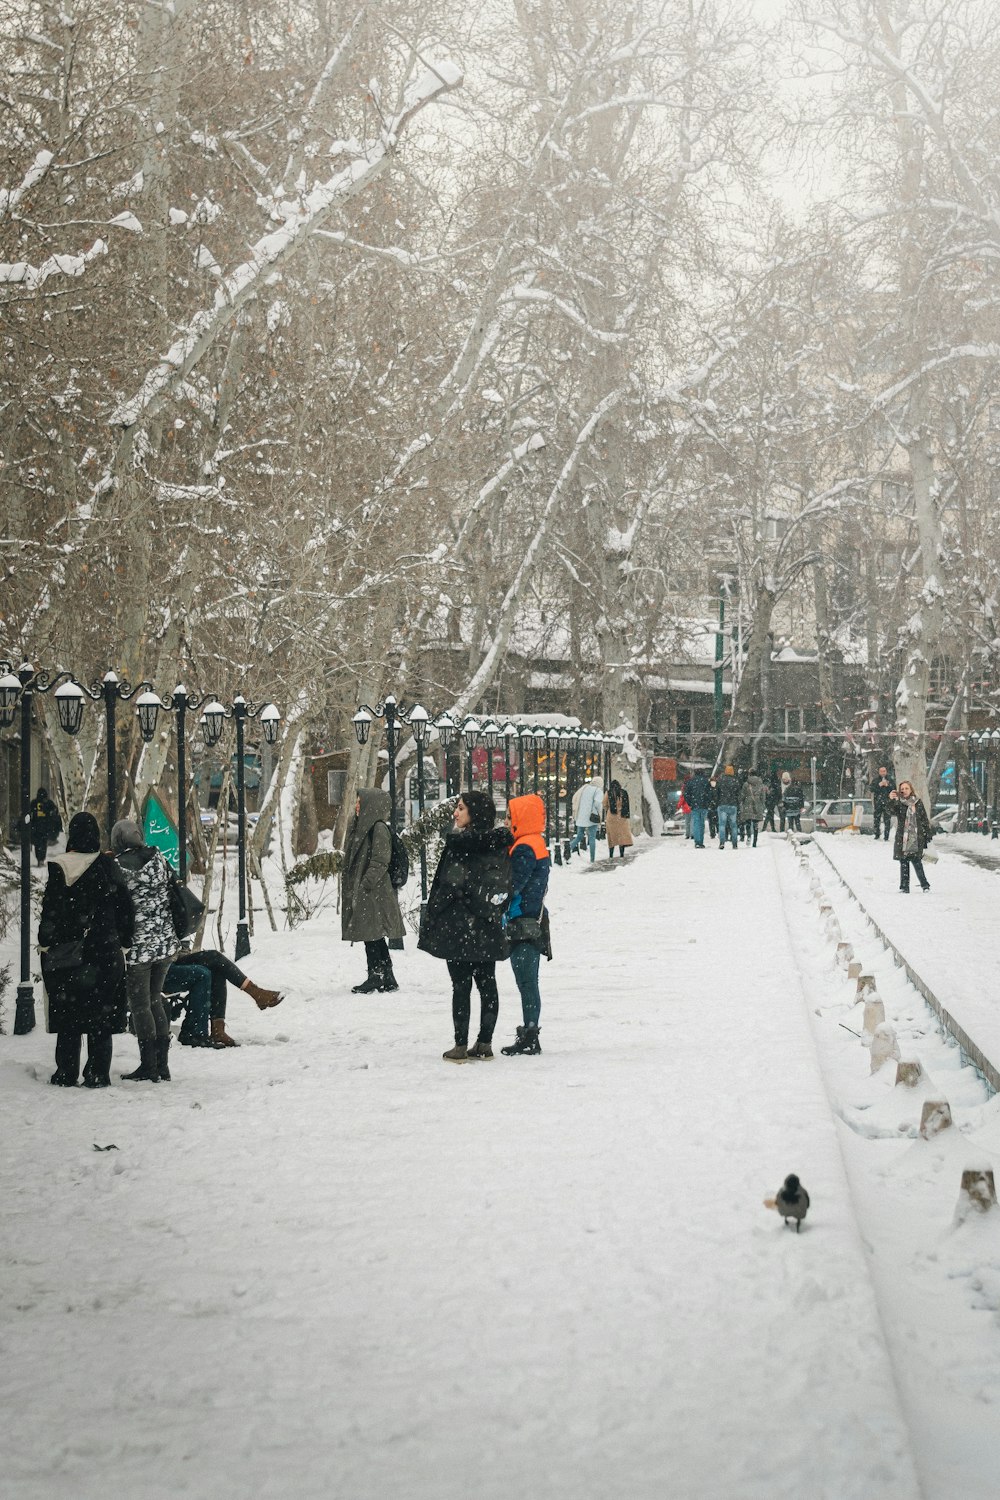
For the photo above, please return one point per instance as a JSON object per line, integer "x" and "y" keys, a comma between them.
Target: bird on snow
{"x": 791, "y": 1201}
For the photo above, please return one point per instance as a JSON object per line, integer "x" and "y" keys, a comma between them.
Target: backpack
{"x": 399, "y": 861}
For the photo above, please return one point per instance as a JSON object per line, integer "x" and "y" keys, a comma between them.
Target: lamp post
{"x": 509, "y": 740}
{"x": 525, "y": 738}
{"x": 572, "y": 745}
{"x": 69, "y": 703}
{"x": 181, "y": 703}
{"x": 113, "y": 690}
{"x": 470, "y": 733}
{"x": 363, "y": 720}
{"x": 994, "y": 816}
{"x": 419, "y": 720}
{"x": 213, "y": 717}
{"x": 552, "y": 797}
{"x": 492, "y": 734}
{"x": 447, "y": 730}
{"x": 538, "y": 736}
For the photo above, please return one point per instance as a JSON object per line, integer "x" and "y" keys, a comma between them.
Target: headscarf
{"x": 482, "y": 810}
{"x": 527, "y": 824}
{"x": 83, "y": 835}
{"x": 125, "y": 835}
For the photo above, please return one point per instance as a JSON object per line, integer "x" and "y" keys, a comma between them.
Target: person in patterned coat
{"x": 148, "y": 878}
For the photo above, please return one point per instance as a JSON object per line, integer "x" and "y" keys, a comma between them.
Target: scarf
{"x": 911, "y": 841}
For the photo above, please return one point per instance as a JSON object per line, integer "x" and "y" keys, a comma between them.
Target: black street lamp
{"x": 213, "y": 717}
{"x": 525, "y": 737}
{"x": 181, "y": 703}
{"x": 113, "y": 690}
{"x": 571, "y": 743}
{"x": 492, "y": 735}
{"x": 447, "y": 729}
{"x": 69, "y": 703}
{"x": 363, "y": 720}
{"x": 538, "y": 736}
{"x": 551, "y": 814}
{"x": 419, "y": 721}
{"x": 509, "y": 740}
{"x": 470, "y": 733}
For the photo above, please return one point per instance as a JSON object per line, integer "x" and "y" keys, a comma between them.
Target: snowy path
{"x": 939, "y": 932}
{"x": 330, "y": 1265}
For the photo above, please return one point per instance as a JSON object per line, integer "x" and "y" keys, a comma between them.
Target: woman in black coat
{"x": 463, "y": 921}
{"x": 913, "y": 834}
{"x": 87, "y": 920}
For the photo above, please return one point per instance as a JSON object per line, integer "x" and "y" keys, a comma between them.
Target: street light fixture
{"x": 509, "y": 741}
{"x": 181, "y": 703}
{"x": 470, "y": 733}
{"x": 22, "y": 686}
{"x": 552, "y": 739}
{"x": 526, "y": 737}
{"x": 447, "y": 730}
{"x": 492, "y": 735}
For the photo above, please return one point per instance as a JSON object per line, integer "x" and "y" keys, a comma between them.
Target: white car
{"x": 839, "y": 812}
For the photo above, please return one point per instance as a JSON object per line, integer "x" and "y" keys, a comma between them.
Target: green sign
{"x": 160, "y": 830}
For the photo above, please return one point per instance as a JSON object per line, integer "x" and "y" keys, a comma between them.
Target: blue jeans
{"x": 727, "y": 824}
{"x": 698, "y": 825}
{"x": 586, "y": 832}
{"x": 524, "y": 960}
{"x": 194, "y": 980}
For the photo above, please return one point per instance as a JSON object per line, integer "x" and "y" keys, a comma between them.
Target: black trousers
{"x": 904, "y": 873}
{"x": 377, "y": 954}
{"x": 882, "y": 816}
{"x": 462, "y": 976}
{"x": 223, "y": 972}
{"x": 769, "y": 811}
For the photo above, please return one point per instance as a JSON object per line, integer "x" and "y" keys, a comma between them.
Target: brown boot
{"x": 264, "y": 998}
{"x": 220, "y": 1035}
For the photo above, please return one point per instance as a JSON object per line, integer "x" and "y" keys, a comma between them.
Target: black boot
{"x": 97, "y": 1073}
{"x": 526, "y": 1043}
{"x": 370, "y": 985}
{"x": 386, "y": 978}
{"x": 148, "y": 1070}
{"x": 162, "y": 1050}
{"x": 67, "y": 1073}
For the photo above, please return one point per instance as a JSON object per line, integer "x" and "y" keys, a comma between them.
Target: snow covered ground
{"x": 329, "y": 1264}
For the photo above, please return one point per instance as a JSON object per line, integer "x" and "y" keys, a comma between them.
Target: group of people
{"x": 736, "y": 805}
{"x": 913, "y": 825}
{"x": 110, "y": 951}
{"x": 486, "y": 905}
{"x": 594, "y": 808}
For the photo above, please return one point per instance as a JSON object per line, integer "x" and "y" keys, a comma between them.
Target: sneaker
{"x": 481, "y": 1051}
{"x": 456, "y": 1054}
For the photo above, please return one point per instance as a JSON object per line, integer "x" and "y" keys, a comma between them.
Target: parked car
{"x": 838, "y": 812}
{"x": 944, "y": 817}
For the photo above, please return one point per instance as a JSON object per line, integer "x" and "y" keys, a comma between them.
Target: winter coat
{"x": 369, "y": 907}
{"x": 86, "y": 897}
{"x": 697, "y": 791}
{"x": 46, "y": 824}
{"x": 471, "y": 889}
{"x": 616, "y": 816}
{"x": 728, "y": 790}
{"x": 880, "y": 793}
{"x": 148, "y": 878}
{"x": 712, "y": 805}
{"x": 753, "y": 796}
{"x": 924, "y": 835}
{"x": 772, "y": 794}
{"x": 590, "y": 799}
{"x": 529, "y": 868}
{"x": 792, "y": 800}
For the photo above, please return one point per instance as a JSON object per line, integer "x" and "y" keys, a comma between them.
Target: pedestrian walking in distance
{"x": 527, "y": 925}
{"x": 463, "y": 923}
{"x": 772, "y": 800}
{"x": 881, "y": 789}
{"x": 587, "y": 815}
{"x": 913, "y": 834}
{"x": 369, "y": 906}
{"x": 753, "y": 796}
{"x": 729, "y": 800}
{"x": 87, "y": 921}
{"x": 46, "y": 824}
{"x": 697, "y": 793}
{"x": 617, "y": 819}
{"x": 792, "y": 803}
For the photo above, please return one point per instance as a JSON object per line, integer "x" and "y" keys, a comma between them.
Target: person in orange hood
{"x": 527, "y": 919}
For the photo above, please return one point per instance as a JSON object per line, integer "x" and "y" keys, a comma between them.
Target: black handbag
{"x": 62, "y": 956}
{"x": 186, "y": 911}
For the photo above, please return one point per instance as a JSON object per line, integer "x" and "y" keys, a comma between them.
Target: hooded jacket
{"x": 86, "y": 898}
{"x": 591, "y": 795}
{"x": 369, "y": 908}
{"x": 529, "y": 856}
{"x": 148, "y": 878}
{"x": 753, "y": 797}
{"x": 472, "y": 885}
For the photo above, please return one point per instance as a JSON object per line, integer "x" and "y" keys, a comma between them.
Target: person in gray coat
{"x": 368, "y": 903}
{"x": 753, "y": 798}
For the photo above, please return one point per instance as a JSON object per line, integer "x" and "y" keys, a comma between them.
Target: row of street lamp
{"x": 17, "y": 689}
{"x": 984, "y": 748}
{"x": 573, "y": 741}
